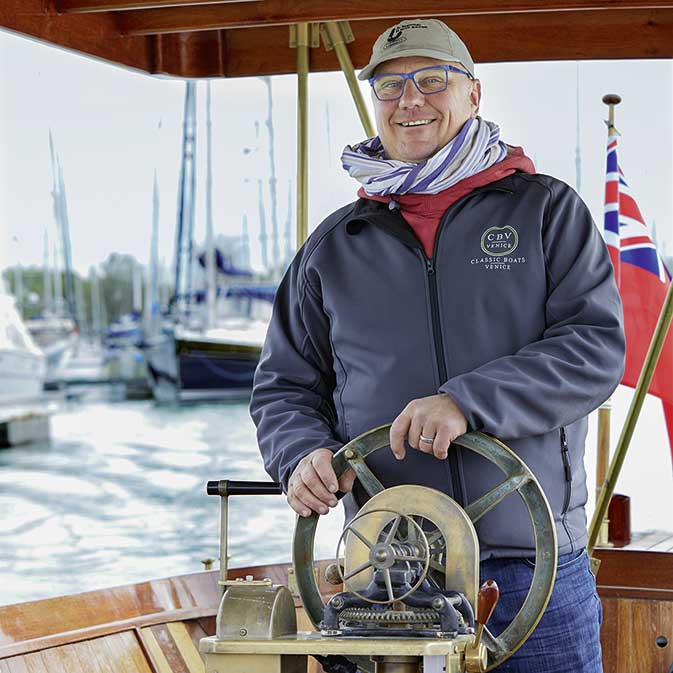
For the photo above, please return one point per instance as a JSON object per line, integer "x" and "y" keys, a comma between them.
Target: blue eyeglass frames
{"x": 428, "y": 80}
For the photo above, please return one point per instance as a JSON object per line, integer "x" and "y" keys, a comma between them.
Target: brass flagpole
{"x": 651, "y": 359}
{"x": 605, "y": 410}
{"x": 646, "y": 374}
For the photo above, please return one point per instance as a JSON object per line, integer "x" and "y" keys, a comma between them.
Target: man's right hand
{"x": 313, "y": 483}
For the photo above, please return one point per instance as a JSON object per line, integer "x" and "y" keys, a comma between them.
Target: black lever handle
{"x": 226, "y": 487}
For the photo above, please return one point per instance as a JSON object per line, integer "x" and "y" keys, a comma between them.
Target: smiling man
{"x": 461, "y": 291}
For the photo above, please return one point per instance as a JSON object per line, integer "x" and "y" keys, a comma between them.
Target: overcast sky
{"x": 113, "y": 128}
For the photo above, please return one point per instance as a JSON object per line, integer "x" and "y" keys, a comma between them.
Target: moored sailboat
{"x": 23, "y": 365}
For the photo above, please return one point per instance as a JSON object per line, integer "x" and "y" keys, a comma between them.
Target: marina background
{"x": 118, "y": 495}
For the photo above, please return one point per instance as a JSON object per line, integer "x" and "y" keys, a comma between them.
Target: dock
{"x": 27, "y": 423}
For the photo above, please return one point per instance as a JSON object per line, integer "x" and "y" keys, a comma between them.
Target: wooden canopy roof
{"x": 211, "y": 38}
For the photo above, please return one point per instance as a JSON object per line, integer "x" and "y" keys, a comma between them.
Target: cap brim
{"x": 369, "y": 69}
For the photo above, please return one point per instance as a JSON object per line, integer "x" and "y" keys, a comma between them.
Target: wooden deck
{"x": 150, "y": 627}
{"x": 155, "y": 626}
{"x": 652, "y": 540}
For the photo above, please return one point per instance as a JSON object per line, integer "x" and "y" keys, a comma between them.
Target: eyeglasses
{"x": 433, "y": 79}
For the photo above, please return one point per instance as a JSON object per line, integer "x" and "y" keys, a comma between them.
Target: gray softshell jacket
{"x": 516, "y": 316}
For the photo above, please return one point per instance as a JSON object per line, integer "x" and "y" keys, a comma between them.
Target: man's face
{"x": 445, "y": 112}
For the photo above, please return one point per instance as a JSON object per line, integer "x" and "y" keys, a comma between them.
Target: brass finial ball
{"x": 612, "y": 99}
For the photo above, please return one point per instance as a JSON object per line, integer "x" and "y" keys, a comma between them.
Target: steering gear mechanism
{"x": 399, "y": 600}
{"x": 407, "y": 567}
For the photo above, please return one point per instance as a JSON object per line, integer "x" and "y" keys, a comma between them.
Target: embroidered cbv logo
{"x": 498, "y": 241}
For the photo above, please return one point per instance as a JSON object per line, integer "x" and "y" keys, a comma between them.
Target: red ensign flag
{"x": 643, "y": 281}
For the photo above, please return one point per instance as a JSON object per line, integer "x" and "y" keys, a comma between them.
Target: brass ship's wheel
{"x": 518, "y": 479}
{"x": 383, "y": 554}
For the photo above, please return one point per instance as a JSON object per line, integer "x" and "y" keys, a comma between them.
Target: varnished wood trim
{"x": 95, "y": 35}
{"x": 590, "y": 34}
{"x": 91, "y": 6}
{"x": 587, "y": 34}
{"x": 631, "y": 573}
{"x": 146, "y": 650}
{"x": 210, "y": 14}
{"x": 635, "y": 592}
{"x": 157, "y": 653}
{"x": 89, "y": 633}
{"x": 188, "y": 651}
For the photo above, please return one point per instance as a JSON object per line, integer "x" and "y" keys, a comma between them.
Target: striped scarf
{"x": 476, "y": 147}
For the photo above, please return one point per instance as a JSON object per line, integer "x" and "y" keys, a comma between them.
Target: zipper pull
{"x": 393, "y": 204}
{"x": 565, "y": 456}
{"x": 430, "y": 265}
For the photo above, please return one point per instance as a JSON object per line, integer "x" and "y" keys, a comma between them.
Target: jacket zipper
{"x": 567, "y": 471}
{"x": 453, "y": 458}
{"x": 458, "y": 494}
{"x": 565, "y": 457}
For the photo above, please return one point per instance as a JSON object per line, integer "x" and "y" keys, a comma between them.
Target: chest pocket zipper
{"x": 567, "y": 471}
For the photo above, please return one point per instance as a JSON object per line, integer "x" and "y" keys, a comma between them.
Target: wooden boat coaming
{"x": 166, "y": 617}
{"x": 192, "y": 38}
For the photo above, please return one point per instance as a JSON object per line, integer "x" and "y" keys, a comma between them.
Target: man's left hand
{"x": 430, "y": 424}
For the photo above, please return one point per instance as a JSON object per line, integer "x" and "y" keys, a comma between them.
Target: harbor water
{"x": 118, "y": 495}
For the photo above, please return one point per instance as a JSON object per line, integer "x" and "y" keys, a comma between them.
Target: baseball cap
{"x": 418, "y": 37}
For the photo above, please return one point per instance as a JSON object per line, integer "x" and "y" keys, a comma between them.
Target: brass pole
{"x": 602, "y": 462}
{"x": 611, "y": 99}
{"x": 603, "y": 440}
{"x": 651, "y": 359}
{"x": 224, "y": 517}
{"x": 302, "y": 132}
{"x": 341, "y": 50}
{"x": 603, "y": 453}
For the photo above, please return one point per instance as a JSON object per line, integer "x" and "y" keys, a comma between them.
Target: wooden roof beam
{"x": 586, "y": 35}
{"x": 196, "y": 17}
{"x": 91, "y": 6}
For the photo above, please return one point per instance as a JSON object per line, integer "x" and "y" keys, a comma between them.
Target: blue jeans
{"x": 567, "y": 638}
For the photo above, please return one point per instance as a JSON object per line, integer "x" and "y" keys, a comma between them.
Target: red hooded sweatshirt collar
{"x": 423, "y": 212}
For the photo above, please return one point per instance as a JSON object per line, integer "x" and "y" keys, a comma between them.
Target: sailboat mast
{"x": 263, "y": 238}
{"x": 47, "y": 299}
{"x": 578, "y": 154}
{"x": 18, "y": 288}
{"x": 63, "y": 233}
{"x": 152, "y": 294}
{"x": 275, "y": 247}
{"x": 137, "y": 279}
{"x": 96, "y": 322}
{"x": 210, "y": 241}
{"x": 57, "y": 301}
{"x": 185, "y": 222}
{"x": 69, "y": 279}
{"x": 58, "y": 281}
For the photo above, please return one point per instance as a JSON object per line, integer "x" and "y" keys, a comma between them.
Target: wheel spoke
{"x": 365, "y": 476}
{"x": 361, "y": 537}
{"x": 389, "y": 585}
{"x": 437, "y": 566}
{"x": 475, "y": 510}
{"x": 433, "y": 537}
{"x": 393, "y": 530}
{"x": 493, "y": 644}
{"x": 357, "y": 570}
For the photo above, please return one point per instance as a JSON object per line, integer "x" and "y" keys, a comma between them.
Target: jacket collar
{"x": 367, "y": 211}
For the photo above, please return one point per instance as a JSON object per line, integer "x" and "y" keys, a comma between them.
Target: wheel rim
{"x": 518, "y": 479}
